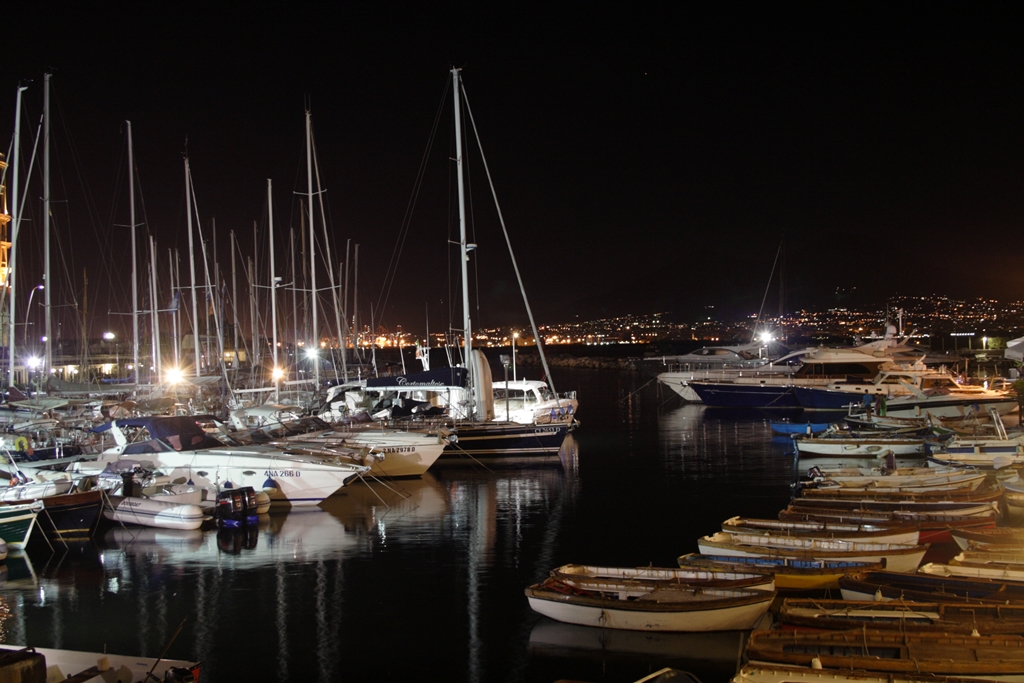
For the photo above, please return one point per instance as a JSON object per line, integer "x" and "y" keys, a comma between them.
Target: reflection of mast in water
{"x": 281, "y": 621}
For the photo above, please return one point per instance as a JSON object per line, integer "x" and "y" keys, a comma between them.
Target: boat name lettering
{"x": 282, "y": 473}
{"x": 431, "y": 383}
{"x": 398, "y": 449}
{"x": 545, "y": 431}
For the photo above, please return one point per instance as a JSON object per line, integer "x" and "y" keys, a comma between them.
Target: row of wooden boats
{"x": 960, "y": 616}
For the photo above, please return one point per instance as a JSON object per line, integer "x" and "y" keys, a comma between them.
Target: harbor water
{"x": 424, "y": 579}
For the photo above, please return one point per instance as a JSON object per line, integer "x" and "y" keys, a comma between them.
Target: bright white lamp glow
{"x": 174, "y": 376}
{"x": 277, "y": 374}
{"x": 311, "y": 352}
{"x": 34, "y": 362}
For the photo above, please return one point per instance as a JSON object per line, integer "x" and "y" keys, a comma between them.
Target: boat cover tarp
{"x": 442, "y": 378}
{"x": 181, "y": 432}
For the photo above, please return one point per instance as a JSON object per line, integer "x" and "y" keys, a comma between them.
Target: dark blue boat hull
{"x": 746, "y": 395}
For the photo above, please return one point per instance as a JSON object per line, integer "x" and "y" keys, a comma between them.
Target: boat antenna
{"x": 753, "y": 336}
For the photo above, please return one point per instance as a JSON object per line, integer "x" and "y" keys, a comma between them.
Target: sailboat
{"x": 467, "y": 393}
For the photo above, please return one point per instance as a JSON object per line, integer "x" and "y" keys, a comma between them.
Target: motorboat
{"x": 178, "y": 448}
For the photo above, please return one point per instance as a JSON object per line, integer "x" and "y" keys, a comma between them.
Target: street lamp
{"x": 109, "y": 337}
{"x": 515, "y": 335}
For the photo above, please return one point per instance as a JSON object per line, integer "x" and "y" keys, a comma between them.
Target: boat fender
{"x": 270, "y": 484}
{"x": 815, "y": 663}
{"x": 229, "y": 485}
{"x": 21, "y": 444}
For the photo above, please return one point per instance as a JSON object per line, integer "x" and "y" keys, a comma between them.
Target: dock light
{"x": 173, "y": 376}
{"x": 33, "y": 362}
{"x": 766, "y": 337}
{"x": 108, "y": 336}
{"x": 311, "y": 352}
{"x": 277, "y": 374}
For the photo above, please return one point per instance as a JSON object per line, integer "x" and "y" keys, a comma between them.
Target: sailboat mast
{"x": 14, "y": 234}
{"x": 135, "y": 274}
{"x": 176, "y": 299}
{"x": 155, "y": 344}
{"x": 192, "y": 266}
{"x": 234, "y": 305}
{"x": 315, "y": 353}
{"x": 273, "y": 291}
{"x": 47, "y": 280}
{"x": 466, "y": 322}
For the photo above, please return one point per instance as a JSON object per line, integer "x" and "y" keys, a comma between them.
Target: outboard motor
{"x": 236, "y": 508}
{"x": 177, "y": 674}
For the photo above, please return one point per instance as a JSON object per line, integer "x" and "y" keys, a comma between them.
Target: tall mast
{"x": 135, "y": 275}
{"x": 234, "y": 304}
{"x": 315, "y": 355}
{"x": 273, "y": 291}
{"x": 155, "y": 344}
{"x": 467, "y": 331}
{"x": 176, "y": 299}
{"x": 192, "y": 267}
{"x": 47, "y": 280}
{"x": 14, "y": 234}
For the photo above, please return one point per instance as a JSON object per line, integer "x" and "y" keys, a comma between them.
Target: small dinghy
{"x": 845, "y": 531}
{"x": 790, "y": 574}
{"x": 154, "y": 513}
{"x": 892, "y": 651}
{"x": 898, "y": 557}
{"x": 938, "y": 617}
{"x": 663, "y": 608}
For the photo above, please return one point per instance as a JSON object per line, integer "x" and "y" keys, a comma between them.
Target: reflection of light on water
{"x": 704, "y": 443}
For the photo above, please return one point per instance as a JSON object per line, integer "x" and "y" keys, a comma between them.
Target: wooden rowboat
{"x": 642, "y": 580}
{"x": 893, "y": 651}
{"x": 766, "y": 672}
{"x": 887, "y": 585}
{"x": 897, "y": 556}
{"x": 937, "y": 617}
{"x": 664, "y": 608}
{"x": 789, "y": 573}
{"x": 892, "y": 533}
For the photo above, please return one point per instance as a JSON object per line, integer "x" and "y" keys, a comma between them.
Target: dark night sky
{"x": 645, "y": 159}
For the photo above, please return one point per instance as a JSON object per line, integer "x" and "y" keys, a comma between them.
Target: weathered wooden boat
{"x": 929, "y": 501}
{"x": 990, "y": 556}
{"x": 767, "y": 672}
{"x": 933, "y": 527}
{"x": 664, "y": 608}
{"x": 888, "y": 585}
{"x": 1008, "y": 536}
{"x": 591, "y": 577}
{"x": 913, "y": 478}
{"x": 854, "y": 445}
{"x": 891, "y": 651}
{"x": 898, "y": 557}
{"x": 17, "y": 522}
{"x": 789, "y": 573}
{"x": 936, "y": 617}
{"x": 968, "y": 488}
{"x": 1005, "y": 572}
{"x": 792, "y": 428}
{"x": 70, "y": 517}
{"x": 891, "y": 533}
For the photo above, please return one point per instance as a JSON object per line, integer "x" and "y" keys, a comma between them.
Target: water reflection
{"x": 704, "y": 443}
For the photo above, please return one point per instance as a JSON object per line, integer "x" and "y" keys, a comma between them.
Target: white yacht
{"x": 180, "y": 449}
